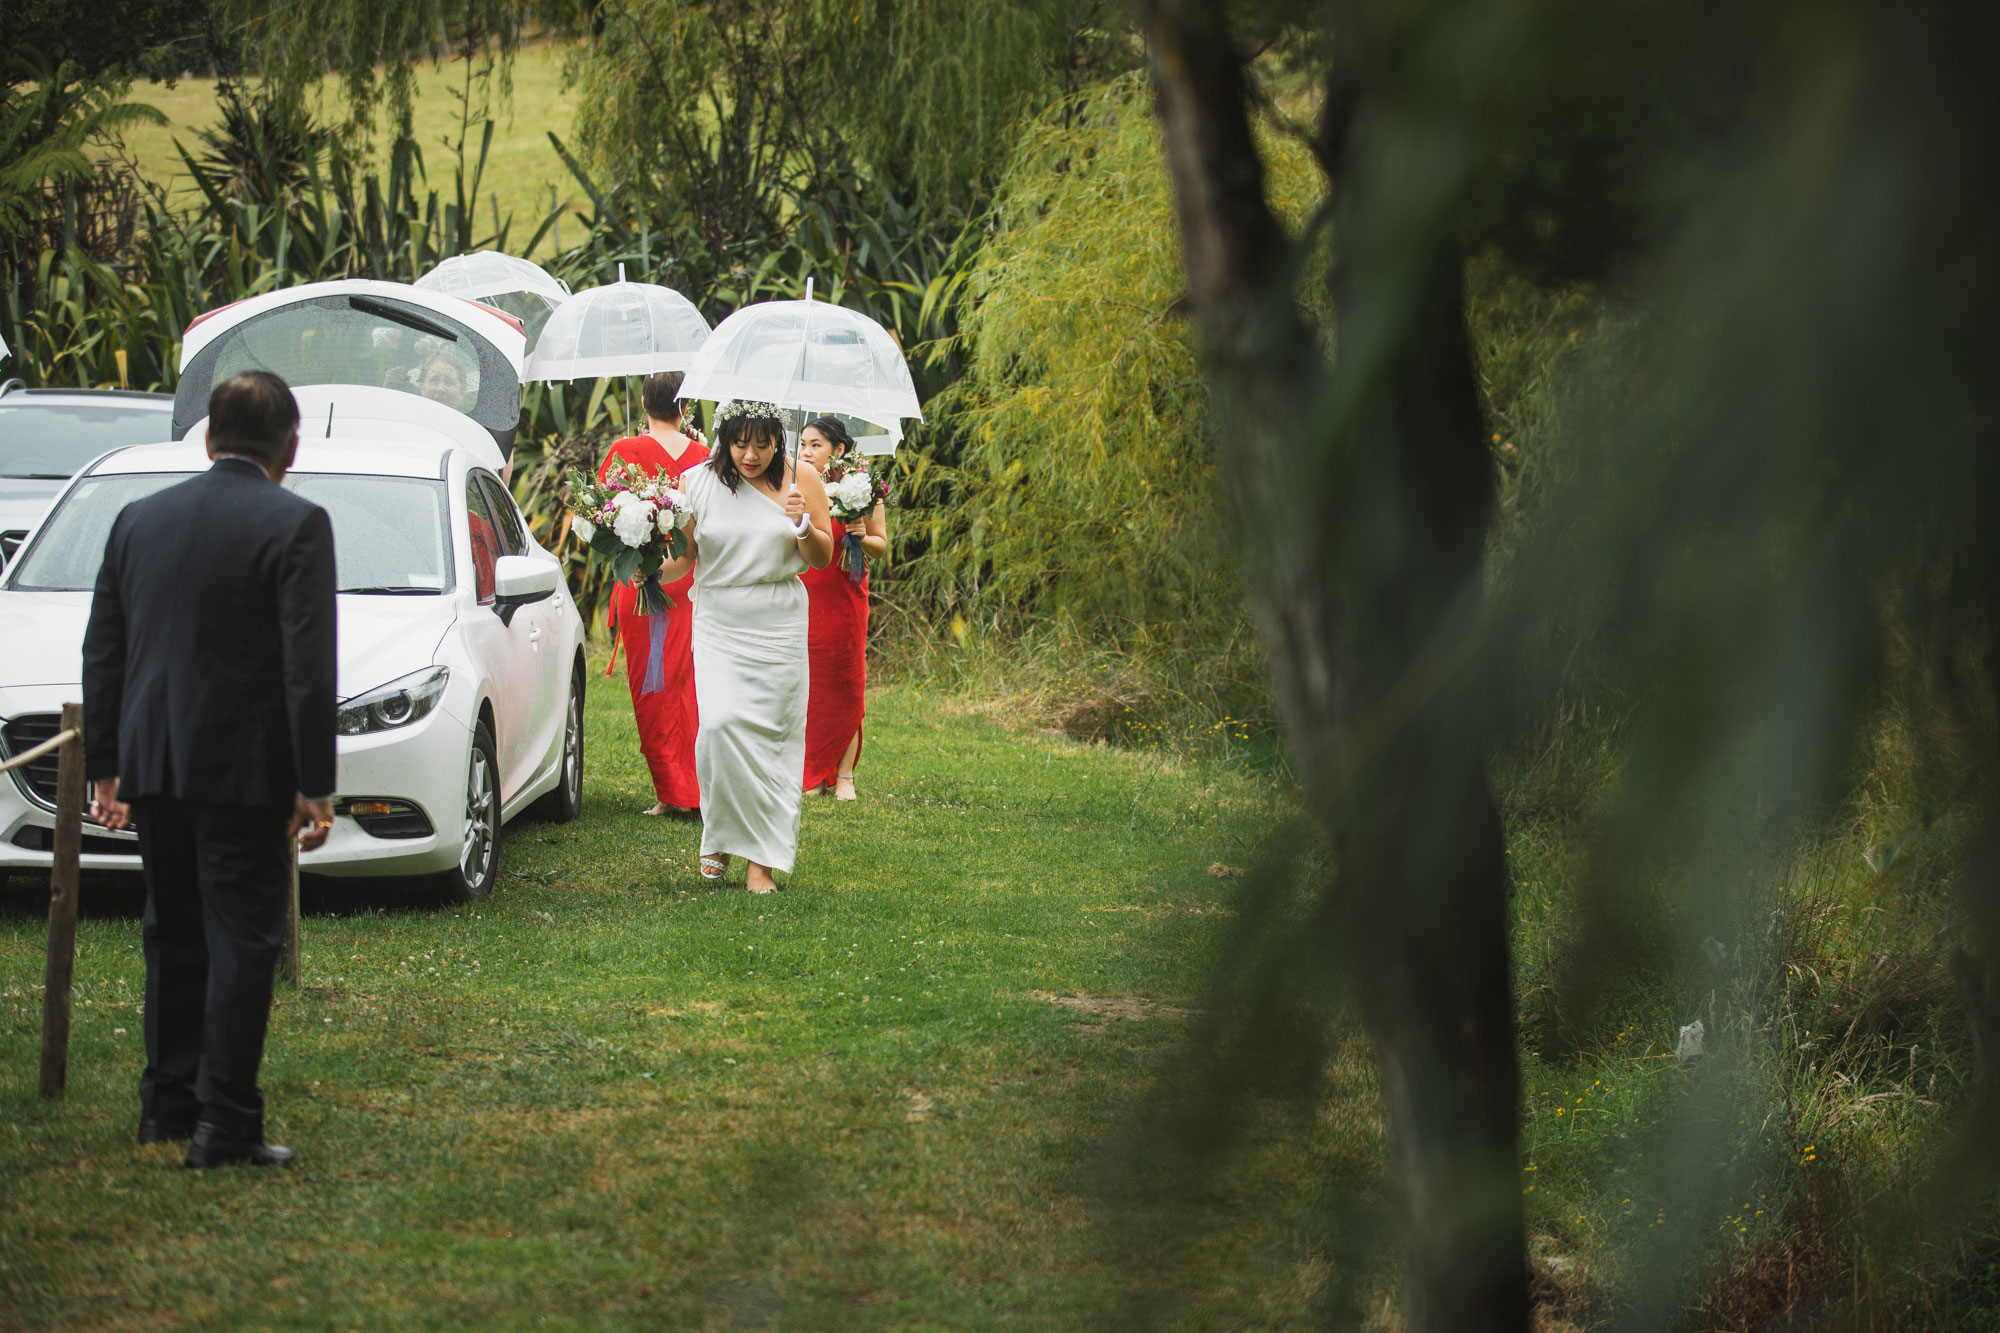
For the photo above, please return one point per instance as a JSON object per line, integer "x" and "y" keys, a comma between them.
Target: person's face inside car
{"x": 443, "y": 382}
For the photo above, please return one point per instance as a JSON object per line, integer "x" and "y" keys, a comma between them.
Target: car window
{"x": 506, "y": 521}
{"x": 388, "y": 532}
{"x": 55, "y": 440}
{"x": 70, "y": 546}
{"x": 326, "y": 343}
{"x": 485, "y": 539}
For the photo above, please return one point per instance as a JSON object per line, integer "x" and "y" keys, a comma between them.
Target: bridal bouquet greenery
{"x": 635, "y": 521}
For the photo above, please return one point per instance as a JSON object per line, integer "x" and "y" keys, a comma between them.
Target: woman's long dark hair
{"x": 723, "y": 461}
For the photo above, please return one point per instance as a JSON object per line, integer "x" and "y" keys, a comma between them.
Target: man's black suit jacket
{"x": 208, "y": 665}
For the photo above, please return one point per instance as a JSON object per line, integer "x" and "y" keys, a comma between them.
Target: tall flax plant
{"x": 83, "y": 321}
{"x": 1768, "y": 519}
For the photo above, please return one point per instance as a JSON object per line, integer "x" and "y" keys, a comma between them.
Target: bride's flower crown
{"x": 744, "y": 407}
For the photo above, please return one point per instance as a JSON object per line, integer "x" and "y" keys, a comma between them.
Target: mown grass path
{"x": 613, "y": 1096}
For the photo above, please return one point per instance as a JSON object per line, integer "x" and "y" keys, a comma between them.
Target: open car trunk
{"x": 397, "y": 341}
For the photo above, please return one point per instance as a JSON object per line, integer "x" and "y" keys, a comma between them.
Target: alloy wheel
{"x": 476, "y": 853}
{"x": 573, "y": 749}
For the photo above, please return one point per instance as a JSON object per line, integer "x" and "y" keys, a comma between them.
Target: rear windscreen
{"x": 326, "y": 344}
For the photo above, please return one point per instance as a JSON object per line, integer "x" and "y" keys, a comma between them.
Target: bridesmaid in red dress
{"x": 837, "y": 636}
{"x": 665, "y": 713}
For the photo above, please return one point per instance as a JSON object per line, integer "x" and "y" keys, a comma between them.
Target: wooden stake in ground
{"x": 289, "y": 961}
{"x": 62, "y": 905}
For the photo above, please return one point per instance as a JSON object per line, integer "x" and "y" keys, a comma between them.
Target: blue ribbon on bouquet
{"x": 655, "y": 678}
{"x": 857, "y": 559}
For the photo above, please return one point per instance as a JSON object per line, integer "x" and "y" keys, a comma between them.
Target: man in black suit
{"x": 208, "y": 703}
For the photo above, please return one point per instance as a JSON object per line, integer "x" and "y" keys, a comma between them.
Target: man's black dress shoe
{"x": 217, "y": 1147}
{"x": 165, "y": 1131}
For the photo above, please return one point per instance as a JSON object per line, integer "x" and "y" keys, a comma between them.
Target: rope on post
{"x": 30, "y": 756}
{"x": 63, "y": 872}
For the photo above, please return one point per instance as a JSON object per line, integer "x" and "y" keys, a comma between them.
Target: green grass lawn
{"x": 521, "y": 169}
{"x": 612, "y": 1095}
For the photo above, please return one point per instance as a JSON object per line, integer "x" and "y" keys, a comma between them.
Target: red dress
{"x": 837, "y": 647}
{"x": 667, "y": 718}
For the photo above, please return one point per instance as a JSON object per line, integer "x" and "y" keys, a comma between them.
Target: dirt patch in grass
{"x": 706, "y": 1007}
{"x": 1117, "y": 1008}
{"x": 1166, "y": 909}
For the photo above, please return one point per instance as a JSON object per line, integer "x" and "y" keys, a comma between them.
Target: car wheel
{"x": 566, "y": 801}
{"x": 479, "y": 844}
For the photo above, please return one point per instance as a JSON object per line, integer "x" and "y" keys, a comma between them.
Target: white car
{"x": 461, "y": 671}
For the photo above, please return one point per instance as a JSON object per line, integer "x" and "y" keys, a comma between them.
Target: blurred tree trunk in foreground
{"x": 1365, "y": 528}
{"x": 1770, "y": 536}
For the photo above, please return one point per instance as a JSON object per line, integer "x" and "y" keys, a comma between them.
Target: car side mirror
{"x": 519, "y": 580}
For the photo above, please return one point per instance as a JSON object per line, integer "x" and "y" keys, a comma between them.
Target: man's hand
{"x": 106, "y": 808}
{"x": 795, "y": 505}
{"x": 311, "y": 822}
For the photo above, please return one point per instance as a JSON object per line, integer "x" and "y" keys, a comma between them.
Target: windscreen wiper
{"x": 395, "y": 590}
{"x": 396, "y": 314}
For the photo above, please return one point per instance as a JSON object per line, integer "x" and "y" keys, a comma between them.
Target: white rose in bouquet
{"x": 634, "y": 523}
{"x": 854, "y": 493}
{"x": 583, "y": 528}
{"x": 673, "y": 511}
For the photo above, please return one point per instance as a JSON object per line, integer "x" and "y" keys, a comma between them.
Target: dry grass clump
{"x": 1141, "y": 688}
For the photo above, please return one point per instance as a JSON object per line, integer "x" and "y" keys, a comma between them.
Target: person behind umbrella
{"x": 838, "y": 640}
{"x": 758, "y": 521}
{"x": 659, "y": 652}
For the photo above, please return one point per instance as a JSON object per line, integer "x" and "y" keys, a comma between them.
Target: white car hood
{"x": 41, "y": 637}
{"x": 23, "y": 501}
{"x": 380, "y": 638}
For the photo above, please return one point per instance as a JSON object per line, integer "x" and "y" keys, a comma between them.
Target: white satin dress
{"x": 750, "y": 666}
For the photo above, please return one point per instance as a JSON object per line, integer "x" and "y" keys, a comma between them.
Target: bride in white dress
{"x": 758, "y": 519}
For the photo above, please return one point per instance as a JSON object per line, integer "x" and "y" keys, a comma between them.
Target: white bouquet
{"x": 852, "y": 492}
{"x": 634, "y": 521}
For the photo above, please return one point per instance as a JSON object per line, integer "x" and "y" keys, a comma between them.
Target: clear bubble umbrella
{"x": 518, "y": 286}
{"x": 621, "y": 328}
{"x": 811, "y": 356}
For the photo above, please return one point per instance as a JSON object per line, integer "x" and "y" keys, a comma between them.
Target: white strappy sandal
{"x": 713, "y": 867}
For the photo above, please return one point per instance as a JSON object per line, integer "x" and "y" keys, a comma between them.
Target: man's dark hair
{"x": 749, "y": 429}
{"x": 660, "y": 395}
{"x": 253, "y": 414}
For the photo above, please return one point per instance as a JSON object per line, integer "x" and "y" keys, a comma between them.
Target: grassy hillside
{"x": 521, "y": 170}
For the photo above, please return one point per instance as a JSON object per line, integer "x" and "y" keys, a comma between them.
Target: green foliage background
{"x": 987, "y": 180}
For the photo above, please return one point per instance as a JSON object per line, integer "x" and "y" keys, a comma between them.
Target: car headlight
{"x": 397, "y": 704}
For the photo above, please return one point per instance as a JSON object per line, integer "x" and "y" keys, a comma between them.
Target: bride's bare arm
{"x": 673, "y": 571}
{"x": 816, "y": 544}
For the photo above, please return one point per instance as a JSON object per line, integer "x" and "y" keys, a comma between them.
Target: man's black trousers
{"x": 218, "y": 878}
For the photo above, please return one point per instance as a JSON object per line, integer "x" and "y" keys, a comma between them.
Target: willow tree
{"x": 885, "y": 123}
{"x": 1780, "y": 512}
{"x": 376, "y": 46}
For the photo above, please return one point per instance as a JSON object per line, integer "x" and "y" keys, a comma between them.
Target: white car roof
{"x": 359, "y": 412}
{"x": 374, "y": 458}
{"x": 492, "y": 325}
